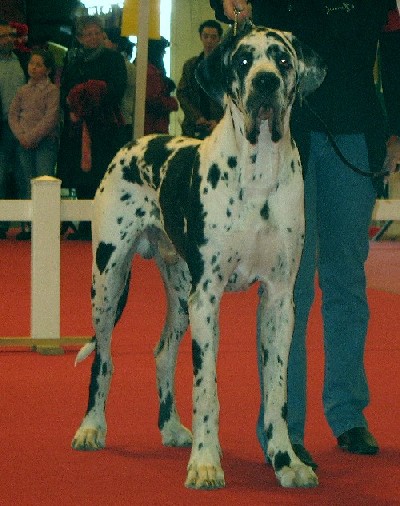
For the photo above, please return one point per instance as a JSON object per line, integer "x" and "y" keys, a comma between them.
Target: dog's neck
{"x": 257, "y": 164}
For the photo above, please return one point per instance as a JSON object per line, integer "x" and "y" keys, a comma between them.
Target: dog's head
{"x": 261, "y": 70}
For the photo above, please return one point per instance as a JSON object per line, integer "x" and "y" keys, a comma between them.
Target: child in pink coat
{"x": 34, "y": 117}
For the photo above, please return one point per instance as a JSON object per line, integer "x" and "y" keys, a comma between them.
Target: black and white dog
{"x": 216, "y": 215}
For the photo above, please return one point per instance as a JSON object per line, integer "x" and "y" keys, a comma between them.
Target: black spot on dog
{"x": 264, "y": 213}
{"x": 281, "y": 460}
{"x": 94, "y": 384}
{"x": 125, "y": 196}
{"x": 155, "y": 156}
{"x": 104, "y": 369}
{"x": 103, "y": 255}
{"x": 183, "y": 306}
{"x": 165, "y": 411}
{"x": 195, "y": 224}
{"x": 175, "y": 194}
{"x": 232, "y": 162}
{"x": 131, "y": 172}
{"x": 140, "y": 212}
{"x": 214, "y": 175}
{"x": 122, "y": 300}
{"x": 269, "y": 432}
{"x": 284, "y": 411}
{"x": 119, "y": 220}
{"x": 197, "y": 357}
{"x": 264, "y": 356}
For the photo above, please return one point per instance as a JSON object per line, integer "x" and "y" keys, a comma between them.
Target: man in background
{"x": 201, "y": 113}
{"x": 11, "y": 78}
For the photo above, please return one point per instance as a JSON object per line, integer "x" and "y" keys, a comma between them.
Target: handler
{"x": 338, "y": 199}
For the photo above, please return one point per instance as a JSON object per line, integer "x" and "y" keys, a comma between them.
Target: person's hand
{"x": 73, "y": 117}
{"x": 392, "y": 160}
{"x": 201, "y": 121}
{"x": 241, "y": 5}
{"x": 25, "y": 142}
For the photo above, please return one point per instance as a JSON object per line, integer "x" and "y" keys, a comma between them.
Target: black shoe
{"x": 304, "y": 456}
{"x": 358, "y": 440}
{"x": 24, "y": 235}
{"x": 3, "y": 233}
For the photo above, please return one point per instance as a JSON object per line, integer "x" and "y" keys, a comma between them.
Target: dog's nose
{"x": 266, "y": 81}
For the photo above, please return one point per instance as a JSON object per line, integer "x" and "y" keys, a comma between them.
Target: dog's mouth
{"x": 269, "y": 113}
{"x": 265, "y": 114}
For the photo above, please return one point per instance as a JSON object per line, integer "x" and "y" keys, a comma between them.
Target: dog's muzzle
{"x": 264, "y": 103}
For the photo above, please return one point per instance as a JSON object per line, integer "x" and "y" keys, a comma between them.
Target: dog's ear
{"x": 211, "y": 73}
{"x": 312, "y": 68}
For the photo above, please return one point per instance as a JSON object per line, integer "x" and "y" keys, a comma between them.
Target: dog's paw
{"x": 88, "y": 439}
{"x": 297, "y": 475}
{"x": 205, "y": 476}
{"x": 178, "y": 435}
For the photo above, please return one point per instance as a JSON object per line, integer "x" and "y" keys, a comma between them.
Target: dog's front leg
{"x": 275, "y": 328}
{"x": 204, "y": 468}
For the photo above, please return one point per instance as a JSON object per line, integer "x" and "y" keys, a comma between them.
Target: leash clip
{"x": 236, "y": 20}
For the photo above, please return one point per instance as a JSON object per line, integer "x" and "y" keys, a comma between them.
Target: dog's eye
{"x": 284, "y": 63}
{"x": 244, "y": 62}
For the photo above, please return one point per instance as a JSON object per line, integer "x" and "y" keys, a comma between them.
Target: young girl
{"x": 34, "y": 119}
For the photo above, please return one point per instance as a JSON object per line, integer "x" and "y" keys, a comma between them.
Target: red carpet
{"x": 44, "y": 398}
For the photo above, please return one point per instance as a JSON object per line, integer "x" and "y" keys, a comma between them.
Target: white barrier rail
{"x": 46, "y": 210}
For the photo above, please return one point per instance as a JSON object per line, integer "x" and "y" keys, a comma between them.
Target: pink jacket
{"x": 35, "y": 111}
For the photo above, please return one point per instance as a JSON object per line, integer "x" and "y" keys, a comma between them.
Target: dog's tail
{"x": 85, "y": 351}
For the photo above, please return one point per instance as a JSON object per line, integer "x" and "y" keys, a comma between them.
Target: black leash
{"x": 331, "y": 138}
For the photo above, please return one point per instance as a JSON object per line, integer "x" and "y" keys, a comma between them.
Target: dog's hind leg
{"x": 110, "y": 286}
{"x": 176, "y": 279}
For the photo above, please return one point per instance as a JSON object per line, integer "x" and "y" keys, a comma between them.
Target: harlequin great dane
{"x": 216, "y": 215}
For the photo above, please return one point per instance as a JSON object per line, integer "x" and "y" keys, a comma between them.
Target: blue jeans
{"x": 338, "y": 209}
{"x": 39, "y": 161}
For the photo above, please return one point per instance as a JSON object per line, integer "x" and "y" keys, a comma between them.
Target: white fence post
{"x": 45, "y": 263}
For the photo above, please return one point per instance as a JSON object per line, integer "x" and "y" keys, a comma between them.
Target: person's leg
{"x": 45, "y": 158}
{"x": 344, "y": 207}
{"x": 303, "y": 298}
{"x": 23, "y": 172}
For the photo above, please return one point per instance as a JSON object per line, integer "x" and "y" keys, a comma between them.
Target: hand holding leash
{"x": 392, "y": 160}
{"x": 237, "y": 10}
